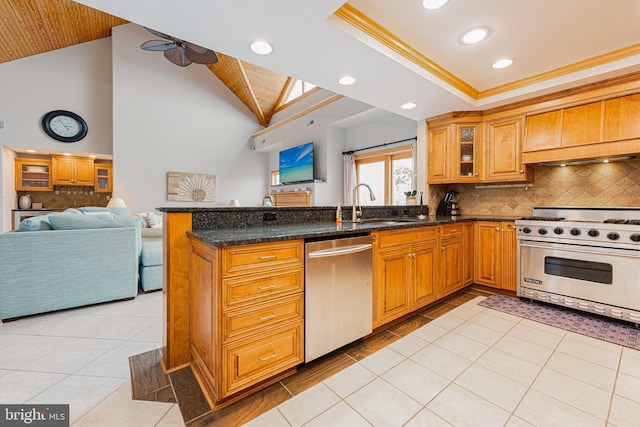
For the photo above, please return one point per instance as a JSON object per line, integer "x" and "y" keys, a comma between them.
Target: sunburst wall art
{"x": 191, "y": 187}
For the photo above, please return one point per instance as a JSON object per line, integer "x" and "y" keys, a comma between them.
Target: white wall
{"x": 76, "y": 78}
{"x": 168, "y": 118}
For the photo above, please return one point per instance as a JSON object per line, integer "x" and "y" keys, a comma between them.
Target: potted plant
{"x": 411, "y": 197}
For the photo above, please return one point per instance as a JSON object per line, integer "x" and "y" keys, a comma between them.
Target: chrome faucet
{"x": 357, "y": 213}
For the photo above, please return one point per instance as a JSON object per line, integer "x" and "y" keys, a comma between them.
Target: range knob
{"x": 635, "y": 237}
{"x": 558, "y": 230}
{"x": 575, "y": 231}
{"x": 542, "y": 231}
{"x": 526, "y": 230}
{"x": 613, "y": 236}
{"x": 593, "y": 232}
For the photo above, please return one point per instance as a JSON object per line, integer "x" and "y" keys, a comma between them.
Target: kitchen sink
{"x": 385, "y": 221}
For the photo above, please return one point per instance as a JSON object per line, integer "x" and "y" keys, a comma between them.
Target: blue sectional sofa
{"x": 72, "y": 261}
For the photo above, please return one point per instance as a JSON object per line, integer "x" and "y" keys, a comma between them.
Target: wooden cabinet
{"x": 503, "y": 151}
{"x": 247, "y": 315}
{"x": 291, "y": 198}
{"x": 622, "y": 118}
{"x": 102, "y": 178}
{"x": 451, "y": 276}
{"x": 33, "y": 175}
{"x": 454, "y": 151}
{"x": 495, "y": 259}
{"x": 468, "y": 239}
{"x": 416, "y": 266}
{"x": 70, "y": 170}
{"x": 603, "y": 128}
{"x": 404, "y": 272}
{"x": 439, "y": 163}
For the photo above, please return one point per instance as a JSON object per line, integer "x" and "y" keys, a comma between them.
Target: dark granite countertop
{"x": 321, "y": 230}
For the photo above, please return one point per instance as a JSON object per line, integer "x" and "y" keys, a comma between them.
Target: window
{"x": 389, "y": 173}
{"x": 295, "y": 89}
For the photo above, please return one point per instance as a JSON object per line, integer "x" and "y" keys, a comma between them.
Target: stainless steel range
{"x": 586, "y": 258}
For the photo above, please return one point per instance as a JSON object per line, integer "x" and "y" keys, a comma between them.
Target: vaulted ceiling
{"x": 398, "y": 51}
{"x": 31, "y": 27}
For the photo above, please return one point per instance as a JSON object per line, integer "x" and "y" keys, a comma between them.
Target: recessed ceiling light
{"x": 408, "y": 106}
{"x": 346, "y": 80}
{"x": 433, "y": 4}
{"x": 474, "y": 36}
{"x": 502, "y": 63}
{"x": 260, "y": 47}
{"x": 563, "y": 164}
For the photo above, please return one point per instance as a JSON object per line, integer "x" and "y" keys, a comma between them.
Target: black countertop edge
{"x": 248, "y": 235}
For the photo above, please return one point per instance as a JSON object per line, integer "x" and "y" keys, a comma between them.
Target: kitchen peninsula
{"x": 227, "y": 267}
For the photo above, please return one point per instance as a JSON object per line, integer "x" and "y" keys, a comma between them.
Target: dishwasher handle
{"x": 345, "y": 250}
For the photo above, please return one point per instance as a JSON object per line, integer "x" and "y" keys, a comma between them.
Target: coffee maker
{"x": 449, "y": 206}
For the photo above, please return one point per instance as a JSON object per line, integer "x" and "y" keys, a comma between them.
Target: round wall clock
{"x": 64, "y": 126}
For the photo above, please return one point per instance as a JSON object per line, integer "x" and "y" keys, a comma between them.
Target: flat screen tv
{"x": 296, "y": 164}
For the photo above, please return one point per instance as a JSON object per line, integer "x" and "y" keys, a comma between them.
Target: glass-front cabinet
{"x": 33, "y": 175}
{"x": 466, "y": 160}
{"x": 103, "y": 178}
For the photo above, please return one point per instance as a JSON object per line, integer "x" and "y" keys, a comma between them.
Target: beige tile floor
{"x": 80, "y": 357}
{"x": 472, "y": 366}
{"x": 476, "y": 367}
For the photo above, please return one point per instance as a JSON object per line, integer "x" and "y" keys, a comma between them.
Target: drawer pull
{"x": 453, "y": 230}
{"x": 263, "y": 318}
{"x": 271, "y": 356}
{"x": 267, "y": 256}
{"x": 271, "y": 286}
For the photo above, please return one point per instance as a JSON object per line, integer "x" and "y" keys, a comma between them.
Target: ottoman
{"x": 151, "y": 265}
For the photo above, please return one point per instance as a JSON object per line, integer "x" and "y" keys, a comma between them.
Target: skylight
{"x": 298, "y": 88}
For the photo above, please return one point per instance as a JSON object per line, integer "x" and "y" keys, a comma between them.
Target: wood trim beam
{"x": 563, "y": 71}
{"x": 302, "y": 113}
{"x": 363, "y": 23}
{"x": 251, "y": 96}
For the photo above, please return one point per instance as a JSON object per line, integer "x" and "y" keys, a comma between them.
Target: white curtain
{"x": 349, "y": 177}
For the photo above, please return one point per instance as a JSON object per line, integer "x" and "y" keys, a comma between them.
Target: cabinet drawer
{"x": 252, "y": 258}
{"x": 406, "y": 236}
{"x": 275, "y": 312}
{"x": 254, "y": 288}
{"x": 251, "y": 361}
{"x": 452, "y": 230}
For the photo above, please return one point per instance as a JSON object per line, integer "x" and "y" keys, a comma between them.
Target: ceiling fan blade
{"x": 157, "y": 45}
{"x": 177, "y": 56}
{"x": 200, "y": 55}
{"x": 159, "y": 34}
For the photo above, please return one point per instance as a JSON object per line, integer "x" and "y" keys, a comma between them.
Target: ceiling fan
{"x": 180, "y": 52}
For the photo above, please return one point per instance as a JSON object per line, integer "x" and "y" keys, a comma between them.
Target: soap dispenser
{"x": 338, "y": 214}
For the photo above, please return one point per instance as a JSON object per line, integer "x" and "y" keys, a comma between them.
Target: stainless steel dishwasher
{"x": 338, "y": 293}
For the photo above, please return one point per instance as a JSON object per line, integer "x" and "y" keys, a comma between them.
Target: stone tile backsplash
{"x": 598, "y": 184}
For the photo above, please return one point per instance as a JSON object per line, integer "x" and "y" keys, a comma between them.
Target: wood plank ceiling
{"x": 31, "y": 27}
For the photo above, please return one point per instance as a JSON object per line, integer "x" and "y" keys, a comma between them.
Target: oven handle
{"x": 617, "y": 253}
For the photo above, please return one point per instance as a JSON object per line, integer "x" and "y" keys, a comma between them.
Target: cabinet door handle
{"x": 271, "y": 356}
{"x": 521, "y": 170}
{"x": 271, "y": 286}
{"x": 267, "y": 256}
{"x": 477, "y": 174}
{"x": 263, "y": 318}
{"x": 443, "y": 248}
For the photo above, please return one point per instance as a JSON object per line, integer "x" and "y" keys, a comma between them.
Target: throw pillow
{"x": 74, "y": 222}
{"x": 115, "y": 211}
{"x": 155, "y": 220}
{"x": 143, "y": 217}
{"x": 35, "y": 223}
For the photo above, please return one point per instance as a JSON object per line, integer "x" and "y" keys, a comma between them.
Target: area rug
{"x": 600, "y": 327}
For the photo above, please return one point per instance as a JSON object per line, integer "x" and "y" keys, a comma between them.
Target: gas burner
{"x": 615, "y": 221}
{"x": 542, "y": 218}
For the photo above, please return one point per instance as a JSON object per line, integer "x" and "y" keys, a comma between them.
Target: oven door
{"x": 601, "y": 275}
